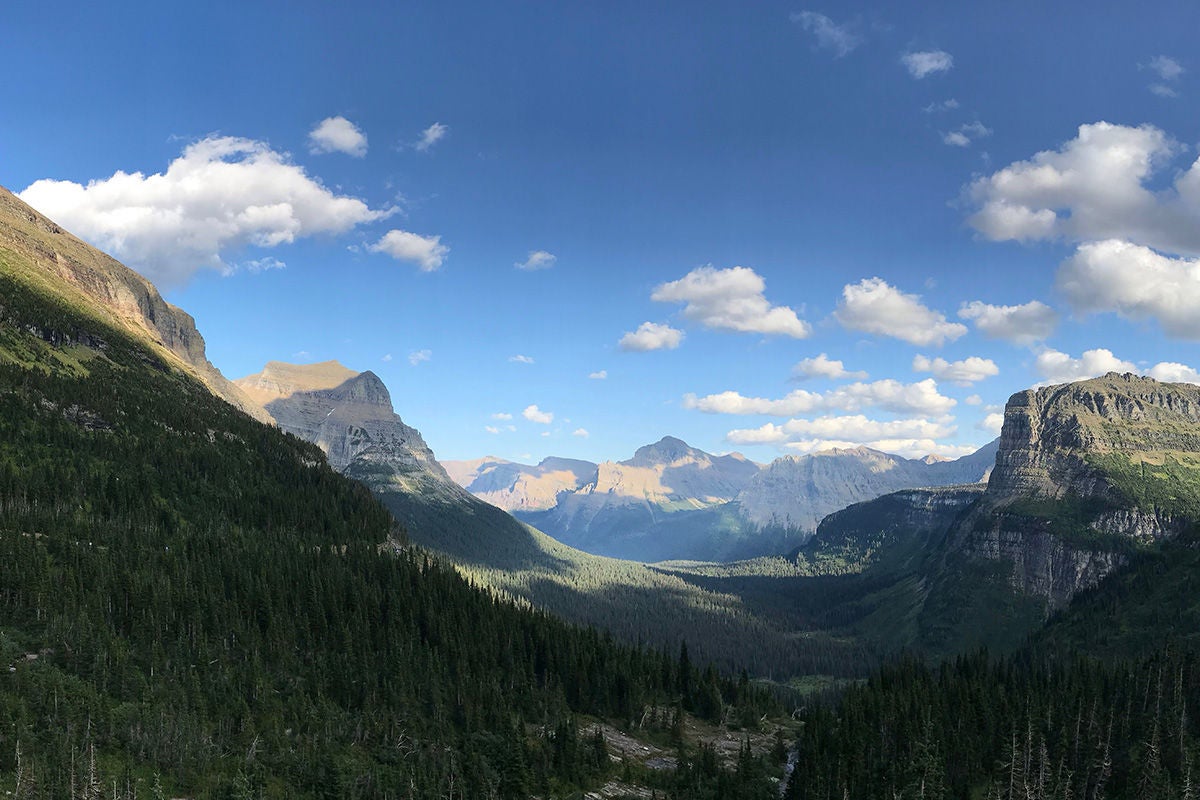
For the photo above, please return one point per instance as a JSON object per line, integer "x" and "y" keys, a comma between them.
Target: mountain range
{"x": 672, "y": 501}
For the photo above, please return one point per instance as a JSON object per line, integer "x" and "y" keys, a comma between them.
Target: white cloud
{"x": 581, "y": 433}
{"x": 491, "y": 429}
{"x": 873, "y": 306}
{"x": 839, "y": 39}
{"x": 427, "y": 252}
{"x": 599, "y": 375}
{"x": 912, "y": 399}
{"x": 1094, "y": 188}
{"x": 855, "y": 428}
{"x": 221, "y": 195}
{"x": 1174, "y": 372}
{"x": 1135, "y": 282}
{"x": 535, "y": 414}
{"x": 337, "y": 135}
{"x": 962, "y": 373}
{"x": 730, "y": 299}
{"x": 966, "y": 133}
{"x": 992, "y": 423}
{"x": 520, "y": 359}
{"x": 418, "y": 356}
{"x": 824, "y": 367}
{"x": 500, "y": 415}
{"x": 538, "y": 259}
{"x": 261, "y": 264}
{"x": 1058, "y": 367}
{"x": 1024, "y": 324}
{"x": 1162, "y": 90}
{"x": 386, "y": 358}
{"x": 431, "y": 136}
{"x": 1167, "y": 68}
{"x": 651, "y": 336}
{"x": 945, "y": 105}
{"x": 973, "y": 400}
{"x": 924, "y": 63}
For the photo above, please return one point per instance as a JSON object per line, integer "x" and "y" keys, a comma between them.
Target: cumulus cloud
{"x": 992, "y": 423}
{"x": 419, "y": 356}
{"x": 1167, "y": 68}
{"x": 500, "y": 415}
{"x": 581, "y": 433}
{"x": 874, "y": 306}
{"x": 651, "y": 336}
{"x": 854, "y": 428}
{"x": 599, "y": 375}
{"x": 1024, "y": 324}
{"x": 520, "y": 359}
{"x": 973, "y": 400}
{"x": 538, "y": 259}
{"x": 839, "y": 39}
{"x": 945, "y": 105}
{"x": 337, "y": 135}
{"x": 1174, "y": 372}
{"x": 535, "y": 414}
{"x": 427, "y": 252}
{"x": 431, "y": 136}
{"x": 824, "y": 367}
{"x": 1162, "y": 90}
{"x": 924, "y": 63}
{"x": 221, "y": 195}
{"x": 1136, "y": 283}
{"x": 962, "y": 373}
{"x": 1058, "y": 367}
{"x": 1093, "y": 188}
{"x": 910, "y": 399}
{"x": 491, "y": 429}
{"x": 730, "y": 299}
{"x": 966, "y": 133}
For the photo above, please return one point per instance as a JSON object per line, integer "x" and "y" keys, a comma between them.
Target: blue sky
{"x": 571, "y": 229}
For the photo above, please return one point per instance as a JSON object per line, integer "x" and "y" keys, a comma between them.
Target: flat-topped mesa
{"x": 87, "y": 278}
{"x": 1067, "y": 439}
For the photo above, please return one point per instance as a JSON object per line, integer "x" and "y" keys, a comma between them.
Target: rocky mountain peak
{"x": 667, "y": 450}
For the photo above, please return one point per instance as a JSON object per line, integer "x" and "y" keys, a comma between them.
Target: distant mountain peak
{"x": 666, "y": 450}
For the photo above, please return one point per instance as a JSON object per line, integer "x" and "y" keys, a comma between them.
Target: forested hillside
{"x": 194, "y": 604}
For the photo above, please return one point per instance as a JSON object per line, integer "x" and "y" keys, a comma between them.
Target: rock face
{"x": 520, "y": 487}
{"x": 799, "y": 491}
{"x": 1052, "y": 436}
{"x": 349, "y": 415}
{"x": 86, "y": 277}
{"x": 1087, "y": 471}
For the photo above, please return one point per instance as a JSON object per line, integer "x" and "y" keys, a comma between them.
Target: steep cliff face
{"x": 87, "y": 278}
{"x": 1055, "y": 440}
{"x": 349, "y": 415}
{"x": 1086, "y": 472}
